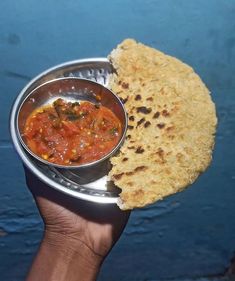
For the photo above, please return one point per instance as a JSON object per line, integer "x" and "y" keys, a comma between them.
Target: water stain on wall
{"x": 13, "y": 39}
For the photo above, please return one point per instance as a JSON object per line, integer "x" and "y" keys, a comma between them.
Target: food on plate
{"x": 172, "y": 123}
{"x": 72, "y": 133}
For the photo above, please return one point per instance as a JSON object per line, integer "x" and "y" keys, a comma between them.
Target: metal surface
{"x": 99, "y": 190}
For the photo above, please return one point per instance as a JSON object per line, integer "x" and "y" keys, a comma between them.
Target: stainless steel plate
{"x": 101, "y": 191}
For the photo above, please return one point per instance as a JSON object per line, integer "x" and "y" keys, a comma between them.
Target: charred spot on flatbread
{"x": 138, "y": 97}
{"x": 142, "y": 120}
{"x": 143, "y": 109}
{"x": 161, "y": 125}
{"x": 124, "y": 159}
{"x": 139, "y": 150}
{"x": 125, "y": 85}
{"x": 130, "y": 127}
{"x": 165, "y": 113}
{"x": 156, "y": 115}
{"x": 124, "y": 100}
{"x": 147, "y": 124}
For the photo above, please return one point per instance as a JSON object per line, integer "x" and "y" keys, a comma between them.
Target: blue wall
{"x": 189, "y": 235}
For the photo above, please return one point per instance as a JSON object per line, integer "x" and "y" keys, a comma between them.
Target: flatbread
{"x": 172, "y": 122}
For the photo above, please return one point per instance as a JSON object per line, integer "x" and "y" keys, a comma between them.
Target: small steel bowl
{"x": 73, "y": 89}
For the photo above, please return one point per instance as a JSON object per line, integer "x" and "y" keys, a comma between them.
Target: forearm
{"x": 63, "y": 259}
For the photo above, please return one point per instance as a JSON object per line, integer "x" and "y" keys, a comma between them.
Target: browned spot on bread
{"x": 137, "y": 169}
{"x": 188, "y": 150}
{"x": 140, "y": 168}
{"x": 175, "y": 108}
{"x": 153, "y": 182}
{"x": 156, "y": 115}
{"x": 160, "y": 161}
{"x": 147, "y": 124}
{"x": 168, "y": 171}
{"x": 169, "y": 132}
{"x": 128, "y": 137}
{"x": 162, "y": 91}
{"x": 139, "y": 150}
{"x": 130, "y": 127}
{"x": 132, "y": 109}
{"x": 150, "y": 99}
{"x": 160, "y": 152}
{"x": 131, "y": 147}
{"x": 132, "y": 118}
{"x": 130, "y": 183}
{"x": 161, "y": 125}
{"x": 179, "y": 157}
{"x": 165, "y": 113}
{"x": 125, "y": 85}
{"x": 118, "y": 176}
{"x": 124, "y": 159}
{"x": 138, "y": 97}
{"x": 140, "y": 121}
{"x": 124, "y": 100}
{"x": 138, "y": 193}
{"x": 168, "y": 129}
{"x": 144, "y": 109}
{"x": 135, "y": 68}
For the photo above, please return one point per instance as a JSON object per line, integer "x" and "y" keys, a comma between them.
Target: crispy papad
{"x": 171, "y": 126}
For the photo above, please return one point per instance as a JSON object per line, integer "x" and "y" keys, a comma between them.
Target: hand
{"x": 76, "y": 223}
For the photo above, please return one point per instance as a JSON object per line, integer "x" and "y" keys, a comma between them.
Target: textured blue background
{"x": 189, "y": 235}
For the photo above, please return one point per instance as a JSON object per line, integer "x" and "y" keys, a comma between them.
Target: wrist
{"x": 71, "y": 247}
{"x": 98, "y": 243}
{"x": 62, "y": 258}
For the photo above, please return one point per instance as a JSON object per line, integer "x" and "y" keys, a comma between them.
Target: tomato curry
{"x": 72, "y": 133}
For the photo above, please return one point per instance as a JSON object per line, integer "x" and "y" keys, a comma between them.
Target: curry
{"x": 72, "y": 133}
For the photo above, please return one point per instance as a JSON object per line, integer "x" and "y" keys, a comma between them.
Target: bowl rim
{"x": 82, "y": 166}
